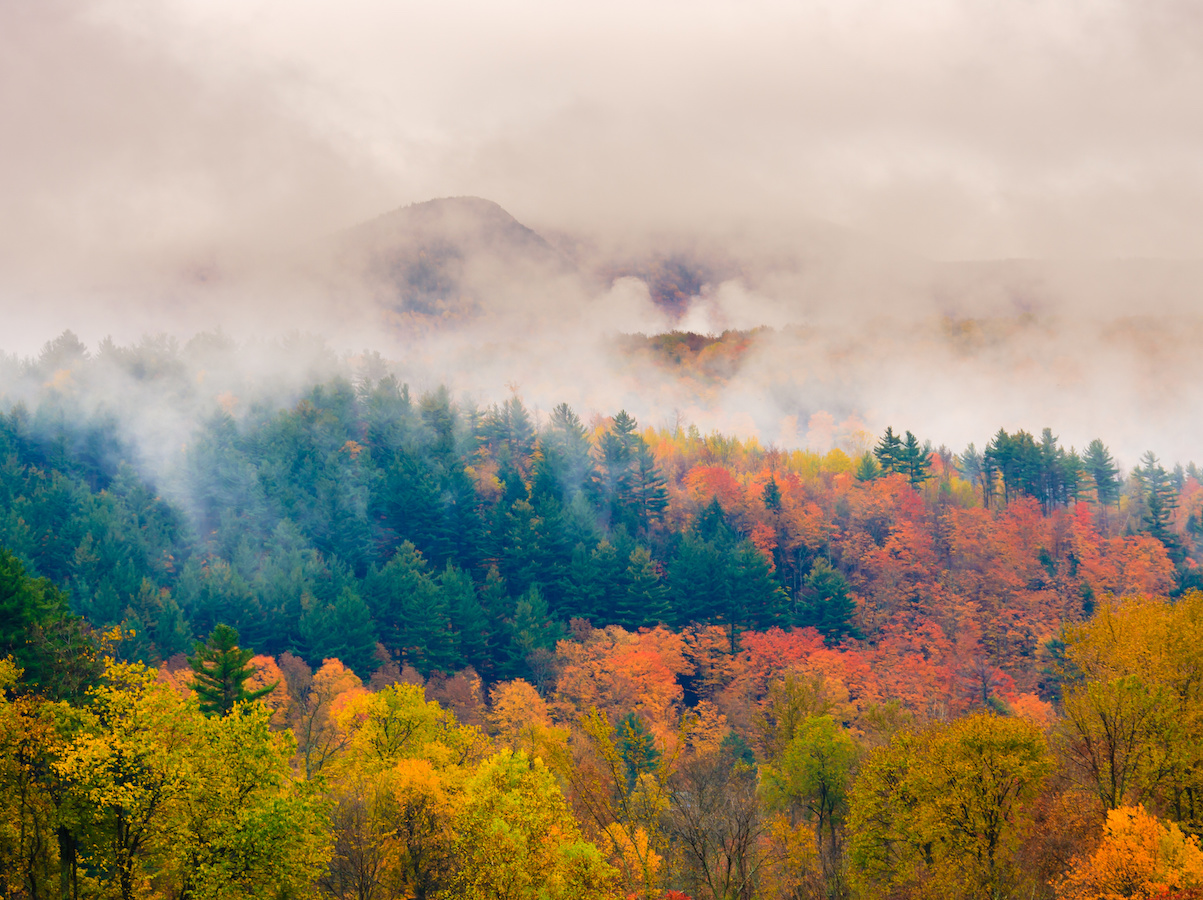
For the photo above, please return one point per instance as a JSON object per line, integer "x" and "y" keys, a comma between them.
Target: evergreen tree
{"x": 220, "y": 669}
{"x": 343, "y": 630}
{"x": 867, "y": 467}
{"x": 638, "y": 748}
{"x": 913, "y": 461}
{"x": 1160, "y": 500}
{"x": 469, "y": 621}
{"x": 615, "y": 476}
{"x": 1103, "y": 472}
{"x": 644, "y": 600}
{"x": 649, "y": 496}
{"x": 1017, "y": 459}
{"x": 532, "y": 629}
{"x": 826, "y": 604}
{"x": 969, "y": 464}
{"x": 771, "y": 495}
{"x": 889, "y": 452}
{"x": 55, "y": 649}
{"x": 565, "y": 452}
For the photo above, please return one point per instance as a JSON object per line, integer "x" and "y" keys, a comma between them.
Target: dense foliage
{"x": 510, "y": 654}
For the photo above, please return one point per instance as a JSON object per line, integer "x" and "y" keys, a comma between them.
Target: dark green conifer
{"x": 644, "y": 602}
{"x": 221, "y": 669}
{"x": 889, "y": 452}
{"x": 772, "y": 494}
{"x": 867, "y": 467}
{"x": 826, "y": 604}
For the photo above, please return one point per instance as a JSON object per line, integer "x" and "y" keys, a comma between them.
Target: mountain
{"x": 445, "y": 258}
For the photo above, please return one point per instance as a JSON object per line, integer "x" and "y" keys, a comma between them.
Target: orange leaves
{"x": 619, "y": 671}
{"x": 1138, "y": 858}
{"x": 706, "y": 482}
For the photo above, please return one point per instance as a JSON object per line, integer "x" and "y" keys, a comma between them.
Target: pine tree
{"x": 969, "y": 464}
{"x": 772, "y": 495}
{"x": 1160, "y": 499}
{"x": 867, "y": 467}
{"x": 645, "y": 598}
{"x": 1104, "y": 472}
{"x": 649, "y": 496}
{"x": 828, "y": 606}
{"x": 913, "y": 462}
{"x": 889, "y": 452}
{"x": 220, "y": 669}
{"x": 638, "y": 748}
{"x": 469, "y": 620}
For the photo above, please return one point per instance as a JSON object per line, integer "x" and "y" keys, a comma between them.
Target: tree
{"x": 813, "y": 774}
{"x": 243, "y": 827}
{"x": 30, "y": 820}
{"x": 517, "y": 839}
{"x": 342, "y": 630}
{"x": 220, "y": 670}
{"x": 1160, "y": 499}
{"x": 914, "y": 461}
{"x": 628, "y": 816}
{"x": 644, "y": 596}
{"x": 649, "y": 497}
{"x": 939, "y": 812}
{"x": 718, "y": 825}
{"x": 889, "y": 452}
{"x": 969, "y": 463}
{"x": 1138, "y": 858}
{"x": 1103, "y": 472}
{"x": 126, "y": 767}
{"x": 1134, "y": 704}
{"x": 55, "y": 650}
{"x": 867, "y": 467}
{"x": 826, "y": 603}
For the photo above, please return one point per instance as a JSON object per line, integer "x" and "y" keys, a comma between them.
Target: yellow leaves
{"x": 519, "y": 718}
{"x": 707, "y": 728}
{"x": 518, "y": 839}
{"x": 1134, "y": 722}
{"x": 792, "y": 856}
{"x": 1138, "y": 858}
{"x": 632, "y": 852}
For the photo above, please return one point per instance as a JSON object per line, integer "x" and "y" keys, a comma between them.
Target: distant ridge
{"x": 444, "y": 257}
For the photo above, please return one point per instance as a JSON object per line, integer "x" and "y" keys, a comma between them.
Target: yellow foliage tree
{"x": 1134, "y": 711}
{"x": 519, "y": 718}
{"x": 517, "y": 839}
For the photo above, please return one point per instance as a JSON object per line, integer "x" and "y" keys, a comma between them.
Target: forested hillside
{"x": 490, "y": 651}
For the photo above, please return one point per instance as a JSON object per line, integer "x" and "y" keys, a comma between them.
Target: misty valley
{"x": 735, "y": 450}
{"x": 274, "y": 623}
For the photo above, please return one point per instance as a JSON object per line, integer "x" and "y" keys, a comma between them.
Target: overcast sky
{"x": 950, "y": 128}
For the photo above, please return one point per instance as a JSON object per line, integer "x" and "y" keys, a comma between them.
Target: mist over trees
{"x": 380, "y": 614}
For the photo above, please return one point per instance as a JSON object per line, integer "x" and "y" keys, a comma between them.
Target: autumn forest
{"x": 345, "y": 638}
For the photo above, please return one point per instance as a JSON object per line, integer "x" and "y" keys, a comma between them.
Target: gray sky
{"x": 951, "y": 128}
{"x": 149, "y": 148}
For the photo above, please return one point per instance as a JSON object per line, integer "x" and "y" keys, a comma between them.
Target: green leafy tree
{"x": 814, "y": 774}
